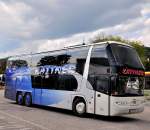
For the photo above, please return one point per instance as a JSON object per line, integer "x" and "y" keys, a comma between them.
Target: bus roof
{"x": 71, "y": 47}
{"x": 99, "y": 43}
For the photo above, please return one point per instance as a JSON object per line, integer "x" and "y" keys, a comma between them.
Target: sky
{"x": 29, "y": 26}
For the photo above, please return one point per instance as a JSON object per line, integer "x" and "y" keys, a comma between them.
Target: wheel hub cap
{"x": 80, "y": 107}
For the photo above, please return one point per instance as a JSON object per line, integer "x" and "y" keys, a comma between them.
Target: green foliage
{"x": 3, "y": 65}
{"x": 146, "y": 92}
{"x": 147, "y": 61}
{"x": 147, "y": 65}
{"x": 102, "y": 37}
{"x": 139, "y": 48}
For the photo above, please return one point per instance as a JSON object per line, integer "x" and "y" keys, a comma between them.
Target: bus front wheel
{"x": 28, "y": 100}
{"x": 79, "y": 107}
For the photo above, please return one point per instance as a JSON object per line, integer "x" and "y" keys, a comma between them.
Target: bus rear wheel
{"x": 79, "y": 107}
{"x": 19, "y": 99}
{"x": 28, "y": 99}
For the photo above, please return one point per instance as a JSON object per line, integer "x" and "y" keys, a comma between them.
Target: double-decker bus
{"x": 104, "y": 78}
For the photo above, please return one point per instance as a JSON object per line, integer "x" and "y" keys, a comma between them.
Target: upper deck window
{"x": 99, "y": 57}
{"x": 19, "y": 61}
{"x": 99, "y": 62}
{"x": 77, "y": 58}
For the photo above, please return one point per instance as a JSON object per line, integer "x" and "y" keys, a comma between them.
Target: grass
{"x": 147, "y": 94}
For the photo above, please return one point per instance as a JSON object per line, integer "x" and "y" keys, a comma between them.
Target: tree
{"x": 3, "y": 65}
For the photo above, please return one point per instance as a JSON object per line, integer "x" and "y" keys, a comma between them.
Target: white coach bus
{"x": 104, "y": 78}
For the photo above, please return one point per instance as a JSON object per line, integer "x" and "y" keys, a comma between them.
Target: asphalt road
{"x": 15, "y": 117}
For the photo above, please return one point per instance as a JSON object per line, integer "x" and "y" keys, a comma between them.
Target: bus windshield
{"x": 130, "y": 71}
{"x": 128, "y": 86}
{"x": 126, "y": 56}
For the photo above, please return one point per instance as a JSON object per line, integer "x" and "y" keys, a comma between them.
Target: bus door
{"x": 102, "y": 95}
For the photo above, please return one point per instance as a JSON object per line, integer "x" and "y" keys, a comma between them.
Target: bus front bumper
{"x": 126, "y": 105}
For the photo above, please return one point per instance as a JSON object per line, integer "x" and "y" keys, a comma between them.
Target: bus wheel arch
{"x": 28, "y": 99}
{"x": 79, "y": 106}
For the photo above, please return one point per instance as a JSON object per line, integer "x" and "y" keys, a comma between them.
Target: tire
{"x": 20, "y": 99}
{"x": 28, "y": 100}
{"x": 79, "y": 107}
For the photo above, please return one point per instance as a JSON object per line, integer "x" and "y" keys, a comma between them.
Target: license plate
{"x": 133, "y": 110}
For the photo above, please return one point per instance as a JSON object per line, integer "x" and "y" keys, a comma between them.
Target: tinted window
{"x": 51, "y": 69}
{"x": 51, "y": 58}
{"x": 22, "y": 61}
{"x": 126, "y": 56}
{"x": 27, "y": 60}
{"x": 77, "y": 58}
{"x": 19, "y": 63}
{"x": 57, "y": 82}
{"x": 99, "y": 63}
{"x": 100, "y": 83}
{"x": 99, "y": 57}
{"x": 128, "y": 86}
{"x": 57, "y": 60}
{"x": 99, "y": 69}
{"x": 36, "y": 81}
{"x": 36, "y": 59}
{"x": 50, "y": 82}
{"x": 67, "y": 82}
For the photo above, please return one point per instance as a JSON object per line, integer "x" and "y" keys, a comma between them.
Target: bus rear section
{"x": 17, "y": 77}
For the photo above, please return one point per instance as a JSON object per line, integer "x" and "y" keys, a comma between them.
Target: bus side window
{"x": 102, "y": 84}
{"x": 99, "y": 69}
{"x": 67, "y": 82}
{"x": 99, "y": 63}
{"x": 50, "y": 82}
{"x": 78, "y": 58}
{"x": 36, "y": 81}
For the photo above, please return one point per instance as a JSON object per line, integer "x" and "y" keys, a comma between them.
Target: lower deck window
{"x": 57, "y": 82}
